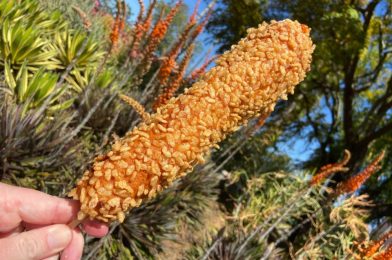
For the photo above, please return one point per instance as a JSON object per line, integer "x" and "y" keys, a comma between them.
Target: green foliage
{"x": 226, "y": 246}
{"x": 31, "y": 145}
{"x": 280, "y": 216}
{"x": 66, "y": 7}
{"x": 77, "y": 46}
{"x": 24, "y": 31}
{"x": 35, "y": 50}
{"x": 231, "y": 19}
{"x": 114, "y": 249}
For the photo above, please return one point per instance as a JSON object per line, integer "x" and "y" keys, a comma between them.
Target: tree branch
{"x": 376, "y": 134}
{"x": 348, "y": 95}
{"x": 378, "y": 109}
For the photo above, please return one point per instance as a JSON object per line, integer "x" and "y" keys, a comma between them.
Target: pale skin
{"x": 33, "y": 225}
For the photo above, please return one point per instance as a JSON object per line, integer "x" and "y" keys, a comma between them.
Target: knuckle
{"x": 28, "y": 247}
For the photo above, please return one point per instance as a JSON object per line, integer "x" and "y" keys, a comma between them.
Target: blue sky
{"x": 134, "y": 5}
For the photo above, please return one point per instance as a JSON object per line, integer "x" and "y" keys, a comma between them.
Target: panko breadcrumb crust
{"x": 247, "y": 81}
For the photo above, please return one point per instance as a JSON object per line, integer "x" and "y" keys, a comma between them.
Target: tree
{"x": 231, "y": 19}
{"x": 346, "y": 101}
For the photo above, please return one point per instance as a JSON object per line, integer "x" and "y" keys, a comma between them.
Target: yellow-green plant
{"x": 38, "y": 49}
{"x": 77, "y": 46}
{"x": 25, "y": 35}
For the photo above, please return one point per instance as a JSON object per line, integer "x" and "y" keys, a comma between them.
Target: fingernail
{"x": 59, "y": 237}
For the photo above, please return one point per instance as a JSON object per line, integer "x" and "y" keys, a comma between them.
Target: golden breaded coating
{"x": 247, "y": 80}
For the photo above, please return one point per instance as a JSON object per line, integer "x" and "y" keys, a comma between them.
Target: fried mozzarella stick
{"x": 247, "y": 81}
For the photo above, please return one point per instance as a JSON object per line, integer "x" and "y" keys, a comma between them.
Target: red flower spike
{"x": 353, "y": 183}
{"x": 332, "y": 168}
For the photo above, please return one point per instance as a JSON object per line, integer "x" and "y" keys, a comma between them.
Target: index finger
{"x": 34, "y": 207}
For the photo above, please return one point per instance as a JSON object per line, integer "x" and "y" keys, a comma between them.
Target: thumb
{"x": 36, "y": 244}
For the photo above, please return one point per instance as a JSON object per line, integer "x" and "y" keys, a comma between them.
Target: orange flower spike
{"x": 114, "y": 36}
{"x": 353, "y": 183}
{"x": 329, "y": 169}
{"x": 192, "y": 18}
{"x": 176, "y": 82}
{"x": 148, "y": 20}
{"x": 386, "y": 255}
{"x": 248, "y": 80}
{"x": 169, "y": 63}
{"x": 160, "y": 29}
{"x": 141, "y": 27}
{"x": 115, "y": 32}
{"x": 372, "y": 249}
{"x": 169, "y": 92}
{"x": 202, "y": 69}
{"x": 181, "y": 40}
{"x": 123, "y": 19}
{"x": 121, "y": 26}
{"x": 141, "y": 11}
{"x": 166, "y": 68}
{"x": 199, "y": 29}
{"x": 343, "y": 162}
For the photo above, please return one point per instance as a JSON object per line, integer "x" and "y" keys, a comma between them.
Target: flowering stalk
{"x": 200, "y": 27}
{"x": 141, "y": 27}
{"x": 192, "y": 19}
{"x": 259, "y": 123}
{"x": 160, "y": 29}
{"x": 248, "y": 80}
{"x": 353, "y": 183}
{"x": 121, "y": 26}
{"x": 166, "y": 69}
{"x": 158, "y": 33}
{"x": 332, "y": 168}
{"x": 372, "y": 249}
{"x": 141, "y": 11}
{"x": 114, "y": 35}
{"x": 169, "y": 63}
{"x": 169, "y": 91}
{"x": 83, "y": 16}
{"x": 387, "y": 254}
{"x": 148, "y": 20}
{"x": 137, "y": 106}
{"x": 202, "y": 69}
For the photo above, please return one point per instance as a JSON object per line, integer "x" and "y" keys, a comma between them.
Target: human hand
{"x": 33, "y": 226}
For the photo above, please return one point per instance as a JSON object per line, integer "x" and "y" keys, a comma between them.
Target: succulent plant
{"x": 37, "y": 48}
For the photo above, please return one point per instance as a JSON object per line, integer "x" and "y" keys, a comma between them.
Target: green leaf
{"x": 22, "y": 84}
{"x": 64, "y": 105}
{"x": 8, "y": 76}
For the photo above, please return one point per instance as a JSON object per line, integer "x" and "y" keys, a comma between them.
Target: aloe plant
{"x": 34, "y": 89}
{"x": 37, "y": 48}
{"x": 69, "y": 46}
